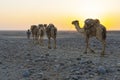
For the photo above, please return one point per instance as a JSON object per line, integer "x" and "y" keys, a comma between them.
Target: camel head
{"x": 77, "y": 26}
{"x": 45, "y": 25}
{"x": 75, "y": 22}
{"x": 33, "y": 27}
{"x": 40, "y": 25}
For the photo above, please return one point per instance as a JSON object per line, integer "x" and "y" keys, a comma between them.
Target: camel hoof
{"x": 49, "y": 47}
{"x": 41, "y": 44}
{"x": 92, "y": 51}
{"x": 55, "y": 48}
{"x": 85, "y": 52}
{"x": 102, "y": 54}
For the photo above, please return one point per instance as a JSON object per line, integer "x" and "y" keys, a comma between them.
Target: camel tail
{"x": 104, "y": 33}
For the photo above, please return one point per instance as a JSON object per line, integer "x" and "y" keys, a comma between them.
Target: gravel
{"x": 21, "y": 59}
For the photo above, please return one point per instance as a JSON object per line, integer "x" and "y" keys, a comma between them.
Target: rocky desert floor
{"x": 21, "y": 59}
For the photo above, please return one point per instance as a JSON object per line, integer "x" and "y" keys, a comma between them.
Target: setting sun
{"x": 90, "y": 8}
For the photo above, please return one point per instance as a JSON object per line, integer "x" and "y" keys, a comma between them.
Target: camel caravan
{"x": 91, "y": 28}
{"x": 38, "y": 32}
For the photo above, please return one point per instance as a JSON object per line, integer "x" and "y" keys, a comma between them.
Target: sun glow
{"x": 20, "y": 14}
{"x": 90, "y": 9}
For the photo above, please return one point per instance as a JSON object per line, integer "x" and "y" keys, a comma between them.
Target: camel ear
{"x": 97, "y": 21}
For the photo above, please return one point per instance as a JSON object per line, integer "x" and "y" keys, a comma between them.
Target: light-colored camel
{"x": 92, "y": 28}
{"x": 40, "y": 34}
{"x": 51, "y": 32}
{"x": 34, "y": 30}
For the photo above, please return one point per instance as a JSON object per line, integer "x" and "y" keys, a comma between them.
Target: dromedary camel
{"x": 34, "y": 30}
{"x": 92, "y": 28}
{"x": 51, "y": 32}
{"x": 40, "y": 34}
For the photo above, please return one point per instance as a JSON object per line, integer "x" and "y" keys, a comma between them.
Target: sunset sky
{"x": 20, "y": 14}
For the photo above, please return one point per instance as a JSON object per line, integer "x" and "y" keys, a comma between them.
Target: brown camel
{"x": 92, "y": 28}
{"x": 34, "y": 30}
{"x": 51, "y": 32}
{"x": 40, "y": 33}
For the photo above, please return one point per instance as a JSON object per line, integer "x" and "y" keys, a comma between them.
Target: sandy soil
{"x": 21, "y": 59}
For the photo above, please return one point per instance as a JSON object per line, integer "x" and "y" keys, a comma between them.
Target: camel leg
{"x": 36, "y": 39}
{"x": 32, "y": 36}
{"x": 33, "y": 39}
{"x": 49, "y": 44}
{"x": 86, "y": 45}
{"x": 103, "y": 48}
{"x": 54, "y": 43}
{"x": 92, "y": 51}
{"x": 42, "y": 41}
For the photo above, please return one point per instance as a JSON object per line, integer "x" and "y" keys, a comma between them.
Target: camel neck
{"x": 80, "y": 30}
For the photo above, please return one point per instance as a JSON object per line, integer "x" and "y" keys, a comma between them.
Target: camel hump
{"x": 51, "y": 30}
{"x": 51, "y": 25}
{"x": 40, "y": 25}
{"x": 33, "y": 27}
{"x": 89, "y": 23}
{"x": 92, "y": 21}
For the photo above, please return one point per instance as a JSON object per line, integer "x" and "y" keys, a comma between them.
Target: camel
{"x": 51, "y": 32}
{"x": 34, "y": 31}
{"x": 40, "y": 33}
{"x": 92, "y": 28}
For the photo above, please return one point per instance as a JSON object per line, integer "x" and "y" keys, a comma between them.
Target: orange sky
{"x": 20, "y": 14}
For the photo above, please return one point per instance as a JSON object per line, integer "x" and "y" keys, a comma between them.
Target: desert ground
{"x": 21, "y": 59}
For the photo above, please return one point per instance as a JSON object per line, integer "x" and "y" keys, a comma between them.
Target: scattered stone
{"x": 118, "y": 64}
{"x": 47, "y": 55}
{"x": 44, "y": 79}
{"x": 68, "y": 63}
{"x": 118, "y": 69}
{"x": 78, "y": 59}
{"x": 0, "y": 62}
{"x": 89, "y": 62}
{"x": 56, "y": 67}
{"x": 39, "y": 59}
{"x": 62, "y": 64}
{"x": 40, "y": 75}
{"x": 26, "y": 73}
{"x": 5, "y": 67}
{"x": 74, "y": 77}
{"x": 101, "y": 70}
{"x": 28, "y": 54}
{"x": 91, "y": 76}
